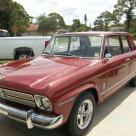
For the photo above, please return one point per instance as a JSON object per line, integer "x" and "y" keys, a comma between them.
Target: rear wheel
{"x": 22, "y": 55}
{"x": 82, "y": 115}
{"x": 133, "y": 82}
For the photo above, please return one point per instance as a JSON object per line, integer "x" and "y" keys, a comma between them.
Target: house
{"x": 32, "y": 30}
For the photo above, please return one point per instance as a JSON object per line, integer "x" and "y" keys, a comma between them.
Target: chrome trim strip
{"x": 35, "y": 119}
{"x": 126, "y": 79}
{"x": 62, "y": 103}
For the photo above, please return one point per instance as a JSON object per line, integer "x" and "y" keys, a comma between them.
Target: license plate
{"x": 3, "y": 112}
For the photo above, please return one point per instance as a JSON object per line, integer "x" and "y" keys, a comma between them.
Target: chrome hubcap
{"x": 23, "y": 56}
{"x": 85, "y": 113}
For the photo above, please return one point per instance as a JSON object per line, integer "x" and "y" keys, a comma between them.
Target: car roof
{"x": 102, "y": 33}
{"x": 3, "y": 30}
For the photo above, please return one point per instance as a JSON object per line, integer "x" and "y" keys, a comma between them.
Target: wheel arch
{"x": 70, "y": 98}
{"x": 23, "y": 49}
{"x": 94, "y": 92}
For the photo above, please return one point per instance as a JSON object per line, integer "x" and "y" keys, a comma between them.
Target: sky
{"x": 69, "y": 9}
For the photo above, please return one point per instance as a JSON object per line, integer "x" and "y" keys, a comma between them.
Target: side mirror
{"x": 108, "y": 56}
{"x": 46, "y": 43}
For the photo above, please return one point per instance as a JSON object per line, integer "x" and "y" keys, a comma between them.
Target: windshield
{"x": 80, "y": 46}
{"x": 4, "y": 34}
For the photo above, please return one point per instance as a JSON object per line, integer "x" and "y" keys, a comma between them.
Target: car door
{"x": 117, "y": 66}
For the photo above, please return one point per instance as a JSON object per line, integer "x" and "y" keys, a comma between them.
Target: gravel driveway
{"x": 115, "y": 117}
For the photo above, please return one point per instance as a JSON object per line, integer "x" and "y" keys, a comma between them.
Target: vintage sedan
{"x": 76, "y": 72}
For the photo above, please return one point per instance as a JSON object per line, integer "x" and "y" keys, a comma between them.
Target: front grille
{"x": 17, "y": 97}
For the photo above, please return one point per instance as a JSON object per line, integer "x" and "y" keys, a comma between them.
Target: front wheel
{"x": 82, "y": 115}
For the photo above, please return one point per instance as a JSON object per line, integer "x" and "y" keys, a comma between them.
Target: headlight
{"x": 43, "y": 102}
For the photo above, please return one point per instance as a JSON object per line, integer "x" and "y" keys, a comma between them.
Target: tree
{"x": 76, "y": 25}
{"x": 5, "y": 4}
{"x": 51, "y": 23}
{"x": 13, "y": 15}
{"x": 116, "y": 18}
{"x": 103, "y": 21}
{"x": 19, "y": 17}
{"x": 83, "y": 28}
{"x": 133, "y": 26}
{"x": 5, "y": 11}
{"x": 59, "y": 19}
{"x": 99, "y": 24}
{"x": 44, "y": 24}
{"x": 126, "y": 7}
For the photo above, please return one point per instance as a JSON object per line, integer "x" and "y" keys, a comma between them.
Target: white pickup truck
{"x": 22, "y": 47}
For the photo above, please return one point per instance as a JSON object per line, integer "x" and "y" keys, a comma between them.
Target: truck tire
{"x": 82, "y": 114}
{"x": 22, "y": 55}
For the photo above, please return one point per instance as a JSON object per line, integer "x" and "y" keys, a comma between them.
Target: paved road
{"x": 115, "y": 117}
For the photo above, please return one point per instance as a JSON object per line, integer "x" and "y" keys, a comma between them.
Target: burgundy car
{"x": 76, "y": 72}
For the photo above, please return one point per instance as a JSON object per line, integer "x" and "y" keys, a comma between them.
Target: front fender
{"x": 63, "y": 104}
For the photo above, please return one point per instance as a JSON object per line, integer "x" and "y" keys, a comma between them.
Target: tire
{"x": 22, "y": 55}
{"x": 132, "y": 82}
{"x": 76, "y": 122}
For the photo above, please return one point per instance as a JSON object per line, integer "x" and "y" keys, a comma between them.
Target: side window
{"x": 125, "y": 44}
{"x": 96, "y": 42}
{"x": 61, "y": 44}
{"x": 113, "y": 46}
{"x": 75, "y": 44}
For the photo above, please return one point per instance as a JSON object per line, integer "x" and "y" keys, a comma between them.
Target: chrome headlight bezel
{"x": 43, "y": 103}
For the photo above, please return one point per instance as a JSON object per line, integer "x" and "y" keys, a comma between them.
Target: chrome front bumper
{"x": 30, "y": 117}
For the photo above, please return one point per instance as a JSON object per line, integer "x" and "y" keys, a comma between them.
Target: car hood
{"x": 38, "y": 73}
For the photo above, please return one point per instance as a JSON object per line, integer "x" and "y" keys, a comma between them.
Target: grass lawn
{"x": 4, "y": 61}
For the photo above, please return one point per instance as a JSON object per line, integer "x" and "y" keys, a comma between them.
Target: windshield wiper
{"x": 65, "y": 54}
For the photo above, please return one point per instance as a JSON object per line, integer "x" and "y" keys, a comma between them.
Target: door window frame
{"x": 107, "y": 44}
{"x": 121, "y": 37}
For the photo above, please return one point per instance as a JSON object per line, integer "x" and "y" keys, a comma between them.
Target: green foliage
{"x": 51, "y": 23}
{"x": 12, "y": 15}
{"x": 76, "y": 25}
{"x": 116, "y": 17}
{"x": 55, "y": 22}
{"x": 59, "y": 20}
{"x": 4, "y": 61}
{"x": 83, "y": 28}
{"x": 133, "y": 27}
{"x": 5, "y": 8}
{"x": 126, "y": 7}
{"x": 5, "y": 4}
{"x": 19, "y": 16}
{"x": 103, "y": 21}
{"x": 123, "y": 8}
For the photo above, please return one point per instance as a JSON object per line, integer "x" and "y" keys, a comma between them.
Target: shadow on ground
{"x": 9, "y": 127}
